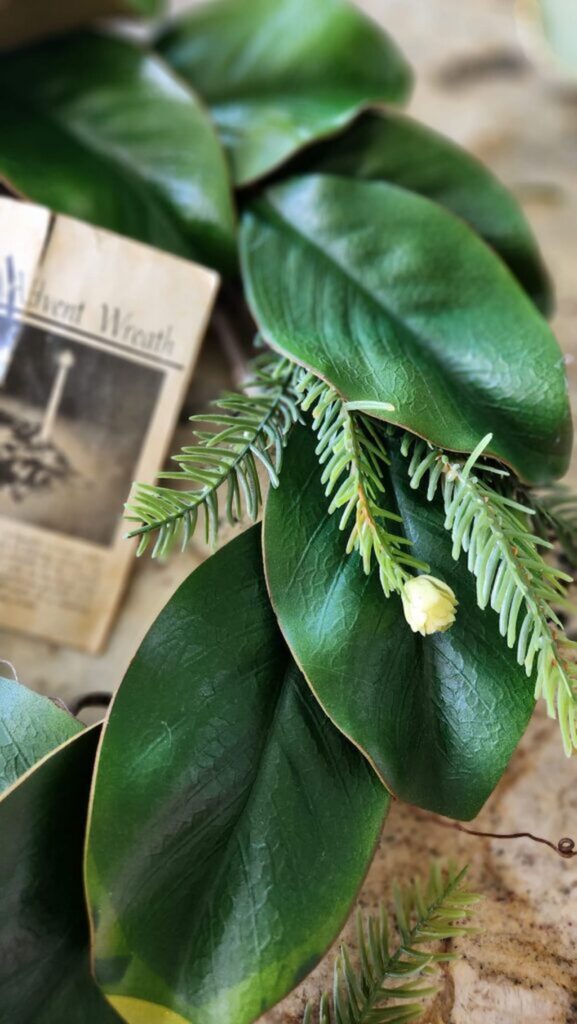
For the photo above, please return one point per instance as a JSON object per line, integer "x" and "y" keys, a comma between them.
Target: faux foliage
{"x": 31, "y": 726}
{"x": 352, "y": 452}
{"x": 396, "y": 302}
{"x": 392, "y": 981}
{"x": 95, "y": 127}
{"x": 388, "y": 145}
{"x": 280, "y": 75}
{"x": 252, "y": 430}
{"x": 44, "y": 932}
{"x": 512, "y": 574}
{"x": 453, "y": 698}
{"x": 209, "y": 888}
{"x": 307, "y": 670}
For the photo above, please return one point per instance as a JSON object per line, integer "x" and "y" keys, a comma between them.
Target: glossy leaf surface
{"x": 393, "y": 300}
{"x": 279, "y": 74}
{"x": 96, "y": 128}
{"x": 390, "y": 146}
{"x": 44, "y": 961}
{"x": 30, "y": 727}
{"x": 438, "y": 716}
{"x": 232, "y": 824}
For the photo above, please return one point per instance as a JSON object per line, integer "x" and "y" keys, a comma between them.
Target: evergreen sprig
{"x": 512, "y": 575}
{"x": 390, "y": 984}
{"x": 353, "y": 454}
{"x": 253, "y": 428}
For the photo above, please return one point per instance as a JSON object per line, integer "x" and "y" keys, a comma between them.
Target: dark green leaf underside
{"x": 30, "y": 727}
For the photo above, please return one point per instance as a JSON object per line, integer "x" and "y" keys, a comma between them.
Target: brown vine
{"x": 565, "y": 847}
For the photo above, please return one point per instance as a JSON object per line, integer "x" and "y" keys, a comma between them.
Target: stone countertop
{"x": 475, "y": 82}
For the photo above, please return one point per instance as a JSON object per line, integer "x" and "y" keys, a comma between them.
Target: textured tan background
{"x": 476, "y": 83}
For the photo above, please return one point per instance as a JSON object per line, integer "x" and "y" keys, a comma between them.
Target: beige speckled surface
{"x": 474, "y": 82}
{"x": 522, "y": 967}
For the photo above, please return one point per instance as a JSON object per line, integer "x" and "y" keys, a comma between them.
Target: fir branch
{"x": 353, "y": 454}
{"x": 512, "y": 575}
{"x": 253, "y": 428}
{"x": 390, "y": 985}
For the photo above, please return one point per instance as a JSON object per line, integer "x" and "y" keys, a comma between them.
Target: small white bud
{"x": 429, "y": 605}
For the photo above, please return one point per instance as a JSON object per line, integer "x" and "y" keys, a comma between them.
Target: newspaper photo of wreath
{"x": 62, "y": 405}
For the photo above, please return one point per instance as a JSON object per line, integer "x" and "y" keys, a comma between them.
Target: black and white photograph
{"x": 73, "y": 418}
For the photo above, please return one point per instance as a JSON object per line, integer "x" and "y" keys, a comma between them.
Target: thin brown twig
{"x": 565, "y": 847}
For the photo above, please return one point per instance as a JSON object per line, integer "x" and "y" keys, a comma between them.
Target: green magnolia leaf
{"x": 30, "y": 727}
{"x": 279, "y": 74}
{"x": 232, "y": 824}
{"x": 390, "y": 146}
{"x": 96, "y": 128}
{"x": 44, "y": 961}
{"x": 437, "y": 716}
{"x": 393, "y": 300}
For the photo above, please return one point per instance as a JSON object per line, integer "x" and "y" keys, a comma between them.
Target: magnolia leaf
{"x": 279, "y": 74}
{"x": 437, "y": 716}
{"x": 44, "y": 960}
{"x": 232, "y": 824}
{"x": 94, "y": 127}
{"x": 389, "y": 146}
{"x": 392, "y": 299}
{"x": 30, "y": 727}
{"x": 22, "y": 21}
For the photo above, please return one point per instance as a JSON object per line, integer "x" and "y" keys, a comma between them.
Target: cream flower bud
{"x": 429, "y": 605}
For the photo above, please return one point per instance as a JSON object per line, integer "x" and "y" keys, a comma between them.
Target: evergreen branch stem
{"x": 353, "y": 454}
{"x": 402, "y": 976}
{"x": 512, "y": 575}
{"x": 226, "y": 469}
{"x": 254, "y": 428}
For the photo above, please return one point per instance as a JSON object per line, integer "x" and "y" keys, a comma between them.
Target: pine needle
{"x": 391, "y": 985}
{"x": 352, "y": 451}
{"x": 253, "y": 428}
{"x": 512, "y": 575}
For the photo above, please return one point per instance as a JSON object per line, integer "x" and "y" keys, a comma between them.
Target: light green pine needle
{"x": 512, "y": 575}
{"x": 394, "y": 979}
{"x": 248, "y": 428}
{"x": 352, "y": 451}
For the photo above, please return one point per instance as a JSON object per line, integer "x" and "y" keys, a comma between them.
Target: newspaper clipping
{"x": 98, "y": 338}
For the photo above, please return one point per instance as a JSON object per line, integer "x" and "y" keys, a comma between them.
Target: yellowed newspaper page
{"x": 98, "y": 339}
